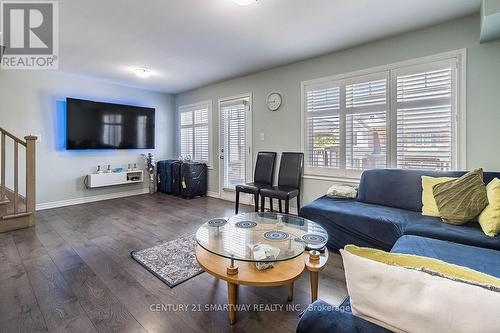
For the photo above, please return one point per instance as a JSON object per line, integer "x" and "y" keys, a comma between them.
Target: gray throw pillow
{"x": 462, "y": 199}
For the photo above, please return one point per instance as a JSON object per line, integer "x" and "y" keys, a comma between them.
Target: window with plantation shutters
{"x": 405, "y": 116}
{"x": 194, "y": 131}
{"x": 424, "y": 106}
{"x": 346, "y": 125}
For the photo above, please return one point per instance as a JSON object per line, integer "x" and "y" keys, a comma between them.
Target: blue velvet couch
{"x": 387, "y": 215}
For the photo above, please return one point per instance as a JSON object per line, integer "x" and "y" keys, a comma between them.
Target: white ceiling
{"x": 190, "y": 43}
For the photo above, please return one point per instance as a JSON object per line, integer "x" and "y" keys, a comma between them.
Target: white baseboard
{"x": 213, "y": 194}
{"x": 77, "y": 201}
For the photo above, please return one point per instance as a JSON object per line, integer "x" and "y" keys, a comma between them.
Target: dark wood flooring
{"x": 73, "y": 273}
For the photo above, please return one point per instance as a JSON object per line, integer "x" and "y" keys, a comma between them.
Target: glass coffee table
{"x": 261, "y": 249}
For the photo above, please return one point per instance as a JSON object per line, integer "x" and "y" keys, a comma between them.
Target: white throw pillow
{"x": 342, "y": 191}
{"x": 411, "y": 301}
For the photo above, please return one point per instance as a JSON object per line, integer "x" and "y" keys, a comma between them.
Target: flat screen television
{"x": 95, "y": 125}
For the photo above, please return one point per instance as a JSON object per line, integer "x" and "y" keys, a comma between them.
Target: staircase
{"x": 17, "y": 211}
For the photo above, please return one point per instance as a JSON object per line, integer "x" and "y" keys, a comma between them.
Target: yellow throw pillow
{"x": 489, "y": 219}
{"x": 429, "y": 207}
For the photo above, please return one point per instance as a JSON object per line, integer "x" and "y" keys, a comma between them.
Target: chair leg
{"x": 237, "y": 203}
{"x": 256, "y": 201}
{"x": 298, "y": 204}
{"x": 262, "y": 203}
{"x": 271, "y": 204}
{"x": 280, "y": 206}
{"x": 287, "y": 206}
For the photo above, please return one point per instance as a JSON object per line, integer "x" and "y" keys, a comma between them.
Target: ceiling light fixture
{"x": 244, "y": 2}
{"x": 142, "y": 72}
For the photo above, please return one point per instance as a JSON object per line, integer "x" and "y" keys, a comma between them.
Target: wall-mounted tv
{"x": 95, "y": 125}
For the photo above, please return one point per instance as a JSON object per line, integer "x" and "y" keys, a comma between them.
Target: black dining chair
{"x": 263, "y": 178}
{"x": 289, "y": 182}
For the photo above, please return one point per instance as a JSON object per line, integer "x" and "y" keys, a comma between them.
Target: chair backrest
{"x": 264, "y": 167}
{"x": 291, "y": 168}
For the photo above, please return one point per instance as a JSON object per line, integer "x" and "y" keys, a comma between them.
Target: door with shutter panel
{"x": 234, "y": 144}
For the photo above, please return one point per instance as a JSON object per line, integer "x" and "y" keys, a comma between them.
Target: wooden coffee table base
{"x": 284, "y": 273}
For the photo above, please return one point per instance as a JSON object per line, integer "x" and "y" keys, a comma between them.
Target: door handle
{"x": 221, "y": 157}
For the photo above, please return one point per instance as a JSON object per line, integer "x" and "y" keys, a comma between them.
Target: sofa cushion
{"x": 321, "y": 317}
{"x": 409, "y": 300}
{"x": 401, "y": 188}
{"x": 468, "y": 234}
{"x": 476, "y": 258}
{"x": 349, "y": 221}
{"x": 431, "y": 266}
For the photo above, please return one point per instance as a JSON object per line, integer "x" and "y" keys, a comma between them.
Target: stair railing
{"x": 14, "y": 197}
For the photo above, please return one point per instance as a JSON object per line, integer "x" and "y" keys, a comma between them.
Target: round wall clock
{"x": 274, "y": 101}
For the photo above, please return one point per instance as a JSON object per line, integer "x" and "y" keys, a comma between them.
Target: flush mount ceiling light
{"x": 142, "y": 72}
{"x": 244, "y": 2}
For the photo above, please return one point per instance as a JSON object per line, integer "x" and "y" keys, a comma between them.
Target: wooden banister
{"x": 19, "y": 219}
{"x": 2, "y": 160}
{"x": 16, "y": 176}
{"x": 13, "y": 137}
{"x": 31, "y": 176}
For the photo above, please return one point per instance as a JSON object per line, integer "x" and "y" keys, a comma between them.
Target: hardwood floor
{"x": 73, "y": 273}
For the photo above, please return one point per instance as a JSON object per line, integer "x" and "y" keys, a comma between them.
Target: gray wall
{"x": 34, "y": 102}
{"x": 282, "y": 129}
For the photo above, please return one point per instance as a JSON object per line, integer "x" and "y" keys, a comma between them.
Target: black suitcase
{"x": 176, "y": 178}
{"x": 193, "y": 179}
{"x": 164, "y": 170}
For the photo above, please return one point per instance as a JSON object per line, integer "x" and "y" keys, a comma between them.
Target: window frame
{"x": 191, "y": 108}
{"x": 458, "y": 111}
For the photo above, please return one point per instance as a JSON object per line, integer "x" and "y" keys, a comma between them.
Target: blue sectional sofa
{"x": 387, "y": 215}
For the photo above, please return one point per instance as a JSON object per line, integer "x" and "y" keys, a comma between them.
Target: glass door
{"x": 235, "y": 143}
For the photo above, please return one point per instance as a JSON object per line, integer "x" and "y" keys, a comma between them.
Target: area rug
{"x": 173, "y": 262}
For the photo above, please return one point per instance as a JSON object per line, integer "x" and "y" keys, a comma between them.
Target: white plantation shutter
{"x": 366, "y": 93}
{"x": 233, "y": 127}
{"x": 405, "y": 117}
{"x": 366, "y": 108}
{"x": 186, "y": 141}
{"x": 323, "y": 127}
{"x": 346, "y": 124}
{"x": 194, "y": 131}
{"x": 424, "y": 106}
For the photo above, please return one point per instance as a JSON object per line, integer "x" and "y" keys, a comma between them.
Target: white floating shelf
{"x": 115, "y": 178}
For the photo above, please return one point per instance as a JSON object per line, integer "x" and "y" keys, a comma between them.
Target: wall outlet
{"x": 262, "y": 136}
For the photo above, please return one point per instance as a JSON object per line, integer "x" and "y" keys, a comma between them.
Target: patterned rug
{"x": 172, "y": 262}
